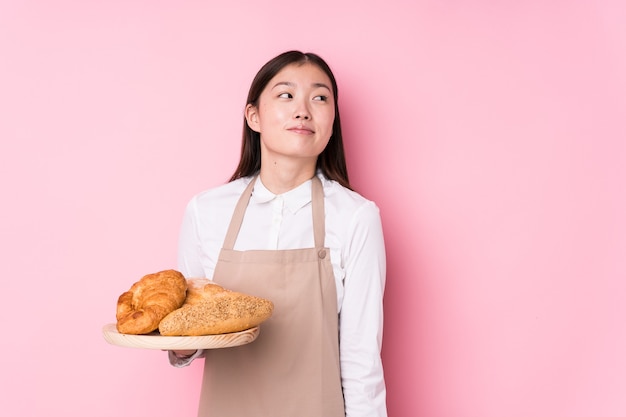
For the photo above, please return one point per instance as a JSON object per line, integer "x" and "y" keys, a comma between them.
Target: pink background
{"x": 491, "y": 134}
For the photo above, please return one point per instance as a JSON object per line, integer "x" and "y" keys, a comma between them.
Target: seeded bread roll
{"x": 211, "y": 309}
{"x": 149, "y": 300}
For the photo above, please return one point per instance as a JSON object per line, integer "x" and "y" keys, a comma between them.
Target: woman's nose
{"x": 302, "y": 112}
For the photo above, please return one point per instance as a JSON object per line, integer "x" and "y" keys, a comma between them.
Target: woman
{"x": 288, "y": 227}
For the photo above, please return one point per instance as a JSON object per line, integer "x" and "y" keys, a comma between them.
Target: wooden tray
{"x": 156, "y": 341}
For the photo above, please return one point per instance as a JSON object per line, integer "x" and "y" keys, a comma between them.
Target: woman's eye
{"x": 285, "y": 95}
{"x": 321, "y": 98}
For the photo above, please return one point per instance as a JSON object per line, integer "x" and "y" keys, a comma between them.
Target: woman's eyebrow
{"x": 321, "y": 85}
{"x": 285, "y": 83}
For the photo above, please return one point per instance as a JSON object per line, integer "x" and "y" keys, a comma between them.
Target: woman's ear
{"x": 252, "y": 117}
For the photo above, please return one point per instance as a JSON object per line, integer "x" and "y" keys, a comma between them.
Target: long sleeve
{"x": 181, "y": 362}
{"x": 190, "y": 265}
{"x": 189, "y": 245}
{"x": 361, "y": 317}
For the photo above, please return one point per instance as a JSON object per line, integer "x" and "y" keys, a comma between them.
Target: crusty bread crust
{"x": 149, "y": 300}
{"x": 211, "y": 309}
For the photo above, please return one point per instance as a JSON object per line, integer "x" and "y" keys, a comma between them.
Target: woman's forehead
{"x": 293, "y": 75}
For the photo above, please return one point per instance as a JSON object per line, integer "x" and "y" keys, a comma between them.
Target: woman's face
{"x": 295, "y": 113}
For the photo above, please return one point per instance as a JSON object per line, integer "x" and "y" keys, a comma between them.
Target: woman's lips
{"x": 302, "y": 130}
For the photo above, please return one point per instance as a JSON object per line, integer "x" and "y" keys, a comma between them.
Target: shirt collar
{"x": 294, "y": 199}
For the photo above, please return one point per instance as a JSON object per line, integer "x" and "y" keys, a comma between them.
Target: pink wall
{"x": 491, "y": 135}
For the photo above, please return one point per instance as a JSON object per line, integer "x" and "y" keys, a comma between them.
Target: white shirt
{"x": 276, "y": 222}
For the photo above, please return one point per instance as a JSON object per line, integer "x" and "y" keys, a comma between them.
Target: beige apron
{"x": 292, "y": 368}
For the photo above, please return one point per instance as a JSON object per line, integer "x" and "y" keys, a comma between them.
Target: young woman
{"x": 288, "y": 227}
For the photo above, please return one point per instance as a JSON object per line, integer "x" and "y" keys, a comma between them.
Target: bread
{"x": 149, "y": 300}
{"x": 211, "y": 309}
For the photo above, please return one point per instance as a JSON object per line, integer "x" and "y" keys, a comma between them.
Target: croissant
{"x": 211, "y": 309}
{"x": 149, "y": 300}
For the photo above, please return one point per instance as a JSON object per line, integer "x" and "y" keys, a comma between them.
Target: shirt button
{"x": 322, "y": 253}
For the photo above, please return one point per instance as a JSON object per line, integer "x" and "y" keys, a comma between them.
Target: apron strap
{"x": 317, "y": 201}
{"x": 237, "y": 219}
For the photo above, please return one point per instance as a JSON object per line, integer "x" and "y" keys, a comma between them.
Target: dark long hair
{"x": 331, "y": 162}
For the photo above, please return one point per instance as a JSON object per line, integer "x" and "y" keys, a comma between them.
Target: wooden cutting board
{"x": 156, "y": 341}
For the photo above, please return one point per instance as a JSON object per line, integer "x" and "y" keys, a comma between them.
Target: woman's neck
{"x": 282, "y": 176}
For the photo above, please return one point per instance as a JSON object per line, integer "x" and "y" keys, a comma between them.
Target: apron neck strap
{"x": 317, "y": 207}
{"x": 317, "y": 201}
